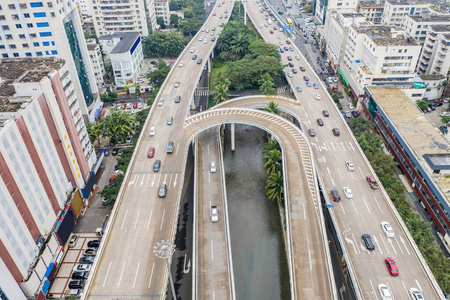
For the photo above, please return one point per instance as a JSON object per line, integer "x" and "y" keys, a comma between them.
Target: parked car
{"x": 316, "y": 86}
{"x": 308, "y": 84}
{"x": 90, "y": 252}
{"x": 299, "y": 89}
{"x": 106, "y": 152}
{"x": 93, "y": 244}
{"x": 76, "y": 284}
{"x": 387, "y": 229}
{"x": 367, "y": 240}
{"x": 87, "y": 260}
{"x": 86, "y": 267}
{"x": 114, "y": 152}
{"x": 214, "y": 214}
{"x": 350, "y": 106}
{"x": 355, "y": 114}
{"x": 80, "y": 275}
{"x": 73, "y": 241}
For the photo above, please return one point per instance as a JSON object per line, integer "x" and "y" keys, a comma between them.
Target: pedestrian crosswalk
{"x": 145, "y": 180}
{"x": 203, "y": 92}
{"x": 283, "y": 89}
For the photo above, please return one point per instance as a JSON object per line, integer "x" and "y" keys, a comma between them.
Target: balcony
{"x": 426, "y": 59}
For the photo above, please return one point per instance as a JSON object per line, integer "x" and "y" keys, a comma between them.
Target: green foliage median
{"x": 385, "y": 168}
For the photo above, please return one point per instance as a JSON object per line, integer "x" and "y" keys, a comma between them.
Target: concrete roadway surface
{"x": 213, "y": 266}
{"x": 368, "y": 208}
{"x": 127, "y": 266}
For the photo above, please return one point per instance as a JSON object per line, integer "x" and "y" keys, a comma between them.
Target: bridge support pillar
{"x": 233, "y": 141}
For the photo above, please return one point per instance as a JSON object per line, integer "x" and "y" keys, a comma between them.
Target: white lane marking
{"x": 373, "y": 289}
{"x": 209, "y": 177}
{"x": 351, "y": 174}
{"x": 354, "y": 240}
{"x": 148, "y": 178}
{"x": 324, "y": 160}
{"x": 214, "y": 297}
{"x": 165, "y": 178}
{"x": 124, "y": 218}
{"x": 404, "y": 287}
{"x": 382, "y": 239}
{"x": 170, "y": 180}
{"x": 367, "y": 206}
{"x": 379, "y": 207}
{"x": 149, "y": 219}
{"x": 137, "y": 218}
{"x": 404, "y": 244}
{"x": 121, "y": 273}
{"x": 343, "y": 210}
{"x": 151, "y": 275}
{"x": 399, "y": 246}
{"x": 361, "y": 173}
{"x": 304, "y": 211}
{"x": 354, "y": 206}
{"x": 142, "y": 181}
{"x": 162, "y": 220}
{"x": 175, "y": 181}
{"x": 212, "y": 251}
{"x": 340, "y": 174}
{"x": 310, "y": 260}
{"x": 418, "y": 285}
{"x": 208, "y": 148}
{"x": 351, "y": 145}
{"x": 107, "y": 272}
{"x": 131, "y": 182}
{"x": 153, "y": 181}
{"x": 135, "y": 276}
{"x": 135, "y": 184}
{"x": 393, "y": 248}
{"x": 176, "y": 151}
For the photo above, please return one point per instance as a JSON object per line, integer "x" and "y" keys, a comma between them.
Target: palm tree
{"x": 267, "y": 88}
{"x": 265, "y": 77}
{"x": 272, "y": 107}
{"x": 239, "y": 45}
{"x": 222, "y": 80}
{"x": 221, "y": 94}
{"x": 274, "y": 187}
{"x": 272, "y": 161}
{"x": 272, "y": 144}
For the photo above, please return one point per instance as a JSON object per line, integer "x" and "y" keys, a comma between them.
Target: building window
{"x": 28, "y": 54}
{"x": 21, "y": 36}
{"x": 5, "y": 55}
{"x": 12, "y": 46}
{"x": 9, "y": 37}
{"x": 52, "y": 14}
{"x": 36, "y": 44}
{"x": 15, "y": 17}
{"x": 47, "y": 53}
{"x": 18, "y": 25}
{"x": 54, "y": 52}
{"x": 26, "y": 15}
{"x": 25, "y": 45}
{"x": 39, "y": 53}
{"x": 45, "y": 43}
{"x": 16, "y": 54}
{"x": 5, "y": 27}
{"x": 2, "y": 17}
{"x": 36, "y": 4}
{"x": 39, "y": 15}
{"x": 23, "y": 5}
{"x": 53, "y": 44}
{"x": 11, "y": 6}
{"x": 42, "y": 24}
{"x": 2, "y": 46}
{"x": 44, "y": 34}
{"x": 49, "y": 4}
{"x": 33, "y": 35}
{"x": 30, "y": 25}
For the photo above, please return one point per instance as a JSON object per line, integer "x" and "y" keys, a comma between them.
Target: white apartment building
{"x": 124, "y": 50}
{"x": 162, "y": 10}
{"x": 434, "y": 87}
{"x": 111, "y": 16}
{"x": 340, "y": 6}
{"x": 378, "y": 55}
{"x": 50, "y": 28}
{"x": 85, "y": 7}
{"x": 95, "y": 55}
{"x": 395, "y": 11}
{"x": 372, "y": 10}
{"x": 336, "y": 30}
{"x": 45, "y": 153}
{"x": 417, "y": 26}
{"x": 151, "y": 14}
{"x": 435, "y": 56}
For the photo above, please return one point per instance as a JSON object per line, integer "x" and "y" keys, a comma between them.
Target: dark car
{"x": 199, "y": 61}
{"x": 93, "y": 244}
{"x": 90, "y": 252}
{"x": 320, "y": 122}
{"x": 106, "y": 152}
{"x": 367, "y": 240}
{"x": 289, "y": 58}
{"x": 114, "y": 152}
{"x": 355, "y": 114}
{"x": 294, "y": 71}
{"x": 87, "y": 260}
{"x": 325, "y": 113}
{"x": 194, "y": 57}
{"x": 311, "y": 132}
{"x": 291, "y": 65}
{"x": 156, "y": 165}
{"x": 271, "y": 31}
{"x": 116, "y": 167}
{"x": 177, "y": 99}
{"x": 288, "y": 42}
{"x": 286, "y": 48}
{"x": 80, "y": 275}
{"x": 154, "y": 62}
{"x": 335, "y": 195}
{"x": 76, "y": 284}
{"x": 336, "y": 132}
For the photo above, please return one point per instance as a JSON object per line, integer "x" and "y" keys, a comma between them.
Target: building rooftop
{"x": 370, "y": 4}
{"x": 416, "y": 130}
{"x": 431, "y": 18}
{"x": 386, "y": 36}
{"x": 91, "y": 46}
{"x": 352, "y": 15}
{"x": 432, "y": 77}
{"x": 440, "y": 28}
{"x": 407, "y": 2}
{"x": 127, "y": 40}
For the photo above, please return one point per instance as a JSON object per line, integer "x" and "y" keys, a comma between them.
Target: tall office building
{"x": 119, "y": 15}
{"x": 45, "y": 154}
{"x": 51, "y": 28}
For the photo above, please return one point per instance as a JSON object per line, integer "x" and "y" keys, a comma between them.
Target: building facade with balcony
{"x": 95, "y": 54}
{"x": 322, "y": 7}
{"x": 419, "y": 149}
{"x": 435, "y": 56}
{"x": 372, "y": 10}
{"x": 417, "y": 26}
{"x": 124, "y": 50}
{"x": 111, "y": 16}
{"x": 45, "y": 154}
{"x": 151, "y": 14}
{"x": 162, "y": 10}
{"x": 395, "y": 11}
{"x": 50, "y": 29}
{"x": 378, "y": 56}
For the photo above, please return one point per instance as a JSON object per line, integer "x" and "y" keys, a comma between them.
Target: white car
{"x": 290, "y": 75}
{"x": 385, "y": 293}
{"x": 213, "y": 167}
{"x": 415, "y": 294}
{"x": 181, "y": 64}
{"x": 205, "y": 41}
{"x": 297, "y": 57}
{"x": 348, "y": 192}
{"x": 192, "y": 50}
{"x": 161, "y": 102}
{"x": 214, "y": 214}
{"x": 281, "y": 43}
{"x": 128, "y": 105}
{"x": 200, "y": 39}
{"x": 350, "y": 106}
{"x": 317, "y": 96}
{"x": 84, "y": 267}
{"x": 140, "y": 81}
{"x": 350, "y": 165}
{"x": 387, "y": 228}
{"x": 260, "y": 26}
{"x": 330, "y": 80}
{"x": 203, "y": 29}
{"x": 139, "y": 105}
{"x": 278, "y": 37}
{"x": 152, "y": 131}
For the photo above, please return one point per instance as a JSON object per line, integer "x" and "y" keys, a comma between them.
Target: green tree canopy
{"x": 160, "y": 22}
{"x": 422, "y": 104}
{"x": 272, "y": 107}
{"x": 274, "y": 187}
{"x": 156, "y": 77}
{"x": 174, "y": 20}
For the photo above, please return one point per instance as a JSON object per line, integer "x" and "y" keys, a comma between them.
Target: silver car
{"x": 214, "y": 214}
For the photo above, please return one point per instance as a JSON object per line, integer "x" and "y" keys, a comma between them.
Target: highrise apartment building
{"x": 435, "y": 56}
{"x": 340, "y": 6}
{"x": 395, "y": 11}
{"x": 162, "y": 10}
{"x": 372, "y": 10}
{"x": 417, "y": 26}
{"x": 95, "y": 54}
{"x": 45, "y": 154}
{"x": 151, "y": 14}
{"x": 111, "y": 16}
{"x": 378, "y": 56}
{"x": 50, "y": 28}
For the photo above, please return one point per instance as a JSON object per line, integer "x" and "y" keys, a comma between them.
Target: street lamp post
{"x": 165, "y": 249}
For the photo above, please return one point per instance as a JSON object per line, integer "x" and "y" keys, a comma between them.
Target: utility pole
{"x": 165, "y": 249}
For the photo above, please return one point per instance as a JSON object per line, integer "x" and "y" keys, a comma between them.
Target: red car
{"x": 151, "y": 152}
{"x": 112, "y": 178}
{"x": 124, "y": 106}
{"x": 335, "y": 89}
{"x": 392, "y": 266}
{"x": 135, "y": 105}
{"x": 302, "y": 69}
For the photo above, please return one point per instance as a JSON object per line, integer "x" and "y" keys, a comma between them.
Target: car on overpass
{"x": 214, "y": 214}
{"x": 162, "y": 191}
{"x": 387, "y": 229}
{"x": 392, "y": 266}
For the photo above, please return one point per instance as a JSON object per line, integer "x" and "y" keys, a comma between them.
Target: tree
{"x": 445, "y": 119}
{"x": 272, "y": 107}
{"x": 156, "y": 77}
{"x": 274, "y": 187}
{"x": 222, "y": 80}
{"x": 272, "y": 161}
{"x": 160, "y": 22}
{"x": 116, "y": 125}
{"x": 220, "y": 95}
{"x": 422, "y": 104}
{"x": 272, "y": 144}
{"x": 94, "y": 131}
{"x": 174, "y": 20}
{"x": 260, "y": 48}
{"x": 337, "y": 96}
{"x": 267, "y": 88}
